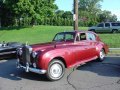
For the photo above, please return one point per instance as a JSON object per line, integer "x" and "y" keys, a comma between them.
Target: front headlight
{"x": 20, "y": 51}
{"x": 34, "y": 54}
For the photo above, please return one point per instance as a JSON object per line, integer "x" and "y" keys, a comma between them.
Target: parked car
{"x": 67, "y": 49}
{"x": 108, "y": 27}
{"x": 8, "y": 50}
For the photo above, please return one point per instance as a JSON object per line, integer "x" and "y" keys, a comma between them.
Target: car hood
{"x": 42, "y": 46}
{"x": 49, "y": 45}
{"x": 92, "y": 27}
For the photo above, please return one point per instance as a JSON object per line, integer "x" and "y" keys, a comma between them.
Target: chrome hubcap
{"x": 56, "y": 70}
{"x": 102, "y": 54}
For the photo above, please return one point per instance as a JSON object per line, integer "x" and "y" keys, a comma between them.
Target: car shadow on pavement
{"x": 110, "y": 67}
{"x": 8, "y": 70}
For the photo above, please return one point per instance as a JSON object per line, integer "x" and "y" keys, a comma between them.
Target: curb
{"x": 114, "y": 48}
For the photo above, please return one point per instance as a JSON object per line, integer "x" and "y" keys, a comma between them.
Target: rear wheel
{"x": 56, "y": 70}
{"x": 101, "y": 55}
{"x": 114, "y": 31}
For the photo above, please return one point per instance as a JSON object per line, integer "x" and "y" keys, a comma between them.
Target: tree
{"x": 59, "y": 13}
{"x": 90, "y": 13}
{"x": 106, "y": 16}
{"x": 67, "y": 14}
{"x": 89, "y": 10}
{"x": 113, "y": 18}
{"x": 33, "y": 10}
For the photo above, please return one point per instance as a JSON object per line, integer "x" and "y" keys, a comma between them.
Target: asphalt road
{"x": 91, "y": 76}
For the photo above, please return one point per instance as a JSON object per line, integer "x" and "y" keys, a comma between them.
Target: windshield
{"x": 69, "y": 36}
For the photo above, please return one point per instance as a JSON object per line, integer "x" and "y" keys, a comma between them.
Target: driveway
{"x": 91, "y": 76}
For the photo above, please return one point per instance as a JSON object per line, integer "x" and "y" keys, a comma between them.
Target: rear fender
{"x": 100, "y": 47}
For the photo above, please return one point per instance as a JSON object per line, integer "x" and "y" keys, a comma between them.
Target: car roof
{"x": 77, "y": 31}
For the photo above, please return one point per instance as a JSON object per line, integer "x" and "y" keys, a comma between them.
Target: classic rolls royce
{"x": 68, "y": 49}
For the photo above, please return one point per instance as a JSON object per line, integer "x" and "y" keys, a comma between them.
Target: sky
{"x": 111, "y": 5}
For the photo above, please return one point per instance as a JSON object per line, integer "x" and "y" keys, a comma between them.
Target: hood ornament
{"x": 26, "y": 44}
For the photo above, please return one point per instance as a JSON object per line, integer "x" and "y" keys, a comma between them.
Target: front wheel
{"x": 101, "y": 55}
{"x": 56, "y": 70}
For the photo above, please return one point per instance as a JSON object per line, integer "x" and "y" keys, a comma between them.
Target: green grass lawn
{"x": 113, "y": 40}
{"x": 40, "y": 34}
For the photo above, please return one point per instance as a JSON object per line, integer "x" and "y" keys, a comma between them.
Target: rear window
{"x": 115, "y": 24}
{"x": 91, "y": 36}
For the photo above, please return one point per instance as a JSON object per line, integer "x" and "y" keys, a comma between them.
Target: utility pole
{"x": 75, "y": 15}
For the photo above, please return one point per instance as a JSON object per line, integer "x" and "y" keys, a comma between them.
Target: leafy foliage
{"x": 45, "y": 12}
{"x": 90, "y": 13}
{"x": 32, "y": 11}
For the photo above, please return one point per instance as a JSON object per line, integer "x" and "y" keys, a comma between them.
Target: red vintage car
{"x": 67, "y": 49}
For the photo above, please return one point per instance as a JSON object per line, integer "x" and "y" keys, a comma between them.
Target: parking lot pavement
{"x": 91, "y": 76}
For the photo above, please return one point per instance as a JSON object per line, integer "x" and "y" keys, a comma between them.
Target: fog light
{"x": 34, "y": 65}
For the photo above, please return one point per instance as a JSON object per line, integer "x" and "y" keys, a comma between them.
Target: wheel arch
{"x": 114, "y": 30}
{"x": 61, "y": 59}
{"x": 104, "y": 50}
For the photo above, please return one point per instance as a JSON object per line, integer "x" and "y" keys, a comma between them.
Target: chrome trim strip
{"x": 27, "y": 69}
{"x": 11, "y": 52}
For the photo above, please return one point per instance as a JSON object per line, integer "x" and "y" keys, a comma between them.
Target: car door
{"x": 107, "y": 27}
{"x": 82, "y": 48}
{"x": 92, "y": 42}
{"x": 100, "y": 28}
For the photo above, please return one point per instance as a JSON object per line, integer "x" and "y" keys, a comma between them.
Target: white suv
{"x": 107, "y": 27}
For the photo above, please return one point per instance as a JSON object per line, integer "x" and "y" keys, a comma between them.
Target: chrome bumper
{"x": 29, "y": 69}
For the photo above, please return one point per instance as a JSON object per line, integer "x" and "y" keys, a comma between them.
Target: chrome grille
{"x": 26, "y": 55}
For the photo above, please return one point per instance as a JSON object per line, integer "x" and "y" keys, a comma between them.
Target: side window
{"x": 107, "y": 24}
{"x": 59, "y": 37}
{"x": 69, "y": 37}
{"x": 100, "y": 25}
{"x": 82, "y": 36}
{"x": 91, "y": 36}
{"x": 115, "y": 24}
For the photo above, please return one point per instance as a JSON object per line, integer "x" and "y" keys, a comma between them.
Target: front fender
{"x": 48, "y": 56}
